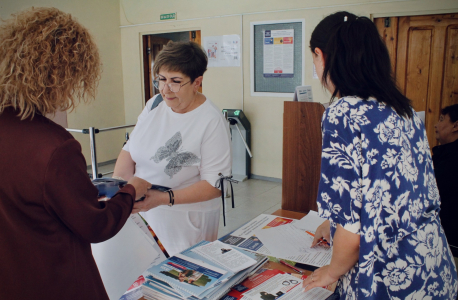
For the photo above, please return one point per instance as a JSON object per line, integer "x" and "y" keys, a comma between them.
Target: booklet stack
{"x": 202, "y": 272}
{"x": 273, "y": 284}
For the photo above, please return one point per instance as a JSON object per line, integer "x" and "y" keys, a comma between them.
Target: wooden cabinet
{"x": 301, "y": 155}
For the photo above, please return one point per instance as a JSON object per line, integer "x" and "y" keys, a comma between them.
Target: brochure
{"x": 225, "y": 255}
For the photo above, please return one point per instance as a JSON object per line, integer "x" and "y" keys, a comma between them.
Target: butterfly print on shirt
{"x": 171, "y": 152}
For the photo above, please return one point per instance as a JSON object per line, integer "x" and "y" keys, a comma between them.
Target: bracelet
{"x": 171, "y": 198}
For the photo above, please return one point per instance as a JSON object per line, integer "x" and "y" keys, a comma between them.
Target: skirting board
{"x": 273, "y": 179}
{"x": 108, "y": 162}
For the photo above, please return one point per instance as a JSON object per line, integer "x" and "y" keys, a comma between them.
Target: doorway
{"x": 152, "y": 45}
{"x": 424, "y": 58}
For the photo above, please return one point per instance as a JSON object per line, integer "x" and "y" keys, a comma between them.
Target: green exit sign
{"x": 172, "y": 16}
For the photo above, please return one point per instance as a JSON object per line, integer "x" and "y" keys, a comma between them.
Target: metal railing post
{"x": 93, "y": 153}
{"x": 92, "y": 132}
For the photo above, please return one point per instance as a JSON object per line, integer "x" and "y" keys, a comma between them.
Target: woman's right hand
{"x": 323, "y": 231}
{"x": 153, "y": 199}
{"x": 140, "y": 185}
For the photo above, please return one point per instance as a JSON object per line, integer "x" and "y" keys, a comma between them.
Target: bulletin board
{"x": 277, "y": 79}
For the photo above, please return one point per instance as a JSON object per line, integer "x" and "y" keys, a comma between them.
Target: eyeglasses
{"x": 174, "y": 87}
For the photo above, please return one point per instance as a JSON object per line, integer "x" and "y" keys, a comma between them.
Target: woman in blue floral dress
{"x": 377, "y": 190}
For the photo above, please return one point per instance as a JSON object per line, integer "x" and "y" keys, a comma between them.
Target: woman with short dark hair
{"x": 184, "y": 144}
{"x": 377, "y": 189}
{"x": 49, "y": 212}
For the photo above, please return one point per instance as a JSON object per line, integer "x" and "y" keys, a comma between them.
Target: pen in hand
{"x": 321, "y": 241}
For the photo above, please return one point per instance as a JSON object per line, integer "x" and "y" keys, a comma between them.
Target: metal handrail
{"x": 92, "y": 132}
{"x": 116, "y": 127}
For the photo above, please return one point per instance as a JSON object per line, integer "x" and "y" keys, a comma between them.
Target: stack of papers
{"x": 204, "y": 271}
{"x": 282, "y": 238}
{"x": 272, "y": 284}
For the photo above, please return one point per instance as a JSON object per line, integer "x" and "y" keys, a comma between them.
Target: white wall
{"x": 101, "y": 17}
{"x": 224, "y": 85}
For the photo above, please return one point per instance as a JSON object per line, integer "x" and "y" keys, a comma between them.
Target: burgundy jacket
{"x": 49, "y": 213}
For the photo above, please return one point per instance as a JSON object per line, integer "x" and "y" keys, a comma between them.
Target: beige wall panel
{"x": 222, "y": 84}
{"x": 148, "y": 11}
{"x": 102, "y": 20}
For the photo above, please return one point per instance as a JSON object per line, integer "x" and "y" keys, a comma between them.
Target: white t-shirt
{"x": 177, "y": 150}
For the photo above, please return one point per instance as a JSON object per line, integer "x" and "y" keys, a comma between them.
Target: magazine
{"x": 251, "y": 282}
{"x": 189, "y": 275}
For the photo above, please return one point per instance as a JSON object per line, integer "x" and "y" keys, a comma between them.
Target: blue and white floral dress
{"x": 377, "y": 180}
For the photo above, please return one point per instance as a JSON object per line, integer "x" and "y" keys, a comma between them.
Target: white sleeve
{"x": 216, "y": 152}
{"x": 140, "y": 118}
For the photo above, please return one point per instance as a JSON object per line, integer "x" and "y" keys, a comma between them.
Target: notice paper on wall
{"x": 223, "y": 50}
{"x": 303, "y": 93}
{"x": 279, "y": 53}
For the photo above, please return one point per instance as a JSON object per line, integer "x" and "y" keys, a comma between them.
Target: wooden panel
{"x": 435, "y": 83}
{"x": 450, "y": 86}
{"x": 197, "y": 39}
{"x": 157, "y": 43}
{"x": 289, "y": 214}
{"x": 418, "y": 67}
{"x": 412, "y": 47}
{"x": 390, "y": 37}
{"x": 146, "y": 47}
{"x": 301, "y": 155}
{"x": 401, "y": 57}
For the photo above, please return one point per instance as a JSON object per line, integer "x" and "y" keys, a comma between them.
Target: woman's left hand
{"x": 153, "y": 198}
{"x": 319, "y": 278}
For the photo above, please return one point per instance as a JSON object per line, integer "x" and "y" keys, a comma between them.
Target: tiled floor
{"x": 252, "y": 197}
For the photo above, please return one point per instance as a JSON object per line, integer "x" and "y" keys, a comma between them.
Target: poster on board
{"x": 279, "y": 53}
{"x": 223, "y": 50}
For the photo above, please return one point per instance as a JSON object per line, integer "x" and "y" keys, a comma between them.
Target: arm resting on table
{"x": 345, "y": 254}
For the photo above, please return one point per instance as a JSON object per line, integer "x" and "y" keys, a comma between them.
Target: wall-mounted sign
{"x": 172, "y": 16}
{"x": 279, "y": 53}
{"x": 223, "y": 50}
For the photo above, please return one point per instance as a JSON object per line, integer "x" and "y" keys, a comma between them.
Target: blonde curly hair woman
{"x": 49, "y": 213}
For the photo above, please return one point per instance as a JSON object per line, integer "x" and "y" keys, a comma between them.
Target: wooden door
{"x": 424, "y": 56}
{"x": 151, "y": 47}
{"x": 194, "y": 36}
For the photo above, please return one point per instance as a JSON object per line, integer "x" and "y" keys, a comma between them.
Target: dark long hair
{"x": 357, "y": 60}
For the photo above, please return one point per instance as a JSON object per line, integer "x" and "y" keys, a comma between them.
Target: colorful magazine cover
{"x": 255, "y": 280}
{"x": 189, "y": 274}
{"x": 245, "y": 236}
